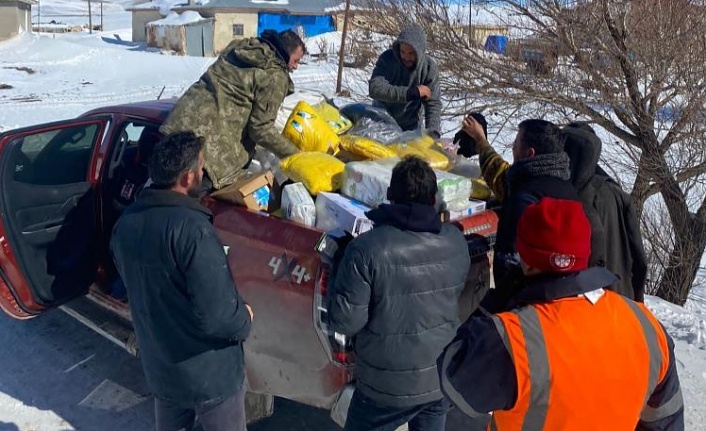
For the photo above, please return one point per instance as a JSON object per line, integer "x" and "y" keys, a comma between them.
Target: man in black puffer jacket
{"x": 396, "y": 290}
{"x": 540, "y": 169}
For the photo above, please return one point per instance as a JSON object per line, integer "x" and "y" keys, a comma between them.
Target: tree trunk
{"x": 641, "y": 186}
{"x": 684, "y": 260}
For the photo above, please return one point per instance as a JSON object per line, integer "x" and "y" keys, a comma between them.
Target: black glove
{"x": 467, "y": 145}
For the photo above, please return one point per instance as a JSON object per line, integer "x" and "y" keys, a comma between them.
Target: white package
{"x": 297, "y": 205}
{"x": 368, "y": 182}
{"x": 334, "y": 211}
{"x": 474, "y": 207}
{"x": 452, "y": 187}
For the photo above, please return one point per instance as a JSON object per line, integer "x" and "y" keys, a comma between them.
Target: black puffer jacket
{"x": 397, "y": 291}
{"x": 189, "y": 319}
{"x": 526, "y": 182}
{"x": 622, "y": 241}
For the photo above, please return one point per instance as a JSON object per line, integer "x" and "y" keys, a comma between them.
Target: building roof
{"x": 29, "y": 2}
{"x": 297, "y": 7}
{"x": 175, "y": 19}
{"x": 356, "y": 5}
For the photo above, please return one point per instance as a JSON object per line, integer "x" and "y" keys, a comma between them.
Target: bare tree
{"x": 636, "y": 68}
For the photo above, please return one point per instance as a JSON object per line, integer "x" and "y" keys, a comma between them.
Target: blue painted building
{"x": 235, "y": 19}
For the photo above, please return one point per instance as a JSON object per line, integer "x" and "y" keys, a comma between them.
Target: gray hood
{"x": 414, "y": 36}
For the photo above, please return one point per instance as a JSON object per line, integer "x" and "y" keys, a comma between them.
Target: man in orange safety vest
{"x": 569, "y": 355}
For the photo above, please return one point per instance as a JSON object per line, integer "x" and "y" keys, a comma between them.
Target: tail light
{"x": 338, "y": 346}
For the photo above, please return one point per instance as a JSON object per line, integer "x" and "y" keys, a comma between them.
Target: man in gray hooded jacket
{"x": 405, "y": 80}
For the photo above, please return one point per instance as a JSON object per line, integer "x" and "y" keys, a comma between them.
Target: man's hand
{"x": 249, "y": 308}
{"x": 424, "y": 92}
{"x": 474, "y": 130}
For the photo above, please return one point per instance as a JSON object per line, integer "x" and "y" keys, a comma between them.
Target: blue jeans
{"x": 365, "y": 414}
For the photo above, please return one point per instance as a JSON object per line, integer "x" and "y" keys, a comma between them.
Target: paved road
{"x": 58, "y": 375}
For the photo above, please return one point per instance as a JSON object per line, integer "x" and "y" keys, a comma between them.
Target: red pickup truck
{"x": 58, "y": 206}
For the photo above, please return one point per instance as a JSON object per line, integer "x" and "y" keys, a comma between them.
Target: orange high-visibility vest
{"x": 582, "y": 366}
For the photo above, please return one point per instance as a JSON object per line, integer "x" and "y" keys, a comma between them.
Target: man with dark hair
{"x": 405, "y": 80}
{"x": 396, "y": 290}
{"x": 540, "y": 168}
{"x": 568, "y": 355}
{"x": 622, "y": 241}
{"x": 189, "y": 319}
{"x": 235, "y": 103}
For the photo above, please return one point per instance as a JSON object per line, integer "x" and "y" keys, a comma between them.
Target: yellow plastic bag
{"x": 365, "y": 147}
{"x": 338, "y": 122}
{"x": 435, "y": 158}
{"x": 424, "y": 141}
{"x": 307, "y": 130}
{"x": 319, "y": 172}
{"x": 481, "y": 190}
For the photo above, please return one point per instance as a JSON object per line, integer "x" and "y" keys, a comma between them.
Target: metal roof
{"x": 300, "y": 7}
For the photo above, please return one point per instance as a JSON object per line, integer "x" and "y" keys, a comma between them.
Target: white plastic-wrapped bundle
{"x": 368, "y": 182}
{"x": 297, "y": 205}
{"x": 454, "y": 190}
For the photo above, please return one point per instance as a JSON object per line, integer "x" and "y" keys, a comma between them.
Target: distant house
{"x": 359, "y": 17}
{"x": 142, "y": 14}
{"x": 15, "y": 17}
{"x": 236, "y": 19}
{"x": 186, "y": 34}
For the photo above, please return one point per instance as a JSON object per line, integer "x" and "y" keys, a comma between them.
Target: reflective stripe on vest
{"x": 650, "y": 334}
{"x": 537, "y": 364}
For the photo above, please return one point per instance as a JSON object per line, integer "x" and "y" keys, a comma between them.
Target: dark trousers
{"x": 226, "y": 416}
{"x": 365, "y": 414}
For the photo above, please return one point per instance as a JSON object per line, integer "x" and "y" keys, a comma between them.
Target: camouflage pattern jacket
{"x": 234, "y": 106}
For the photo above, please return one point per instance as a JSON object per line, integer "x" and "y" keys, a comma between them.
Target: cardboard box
{"x": 474, "y": 206}
{"x": 334, "y": 211}
{"x": 254, "y": 191}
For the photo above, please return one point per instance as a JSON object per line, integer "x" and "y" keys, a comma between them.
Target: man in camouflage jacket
{"x": 235, "y": 103}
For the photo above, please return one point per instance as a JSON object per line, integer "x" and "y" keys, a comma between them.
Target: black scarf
{"x": 414, "y": 217}
{"x": 555, "y": 165}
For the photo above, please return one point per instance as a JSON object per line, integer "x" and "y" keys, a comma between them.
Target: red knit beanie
{"x": 554, "y": 235}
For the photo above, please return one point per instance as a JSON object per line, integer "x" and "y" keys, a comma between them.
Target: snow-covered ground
{"x": 51, "y": 77}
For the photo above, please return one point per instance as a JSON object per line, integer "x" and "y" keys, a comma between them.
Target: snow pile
{"x": 330, "y": 43}
{"x": 75, "y": 74}
{"x": 687, "y": 326}
{"x": 342, "y": 7}
{"x": 174, "y": 18}
{"x": 74, "y": 12}
{"x": 164, "y": 6}
{"x": 274, "y": 2}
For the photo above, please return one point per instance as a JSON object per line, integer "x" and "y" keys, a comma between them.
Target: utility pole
{"x": 39, "y": 16}
{"x": 90, "y": 18}
{"x": 101, "y": 15}
{"x": 341, "y": 54}
{"x": 470, "y": 22}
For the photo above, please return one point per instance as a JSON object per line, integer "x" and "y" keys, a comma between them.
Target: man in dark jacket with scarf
{"x": 569, "y": 355}
{"x": 405, "y": 80}
{"x": 396, "y": 291}
{"x": 189, "y": 319}
{"x": 540, "y": 168}
{"x": 235, "y": 103}
{"x": 622, "y": 240}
